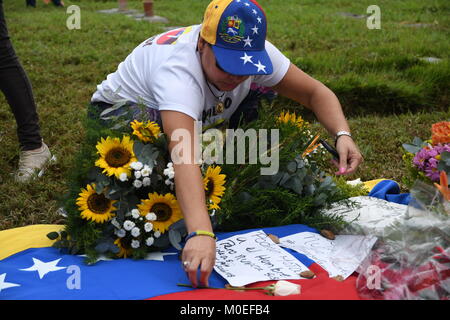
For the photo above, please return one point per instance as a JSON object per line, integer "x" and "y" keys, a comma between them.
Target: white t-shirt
{"x": 165, "y": 73}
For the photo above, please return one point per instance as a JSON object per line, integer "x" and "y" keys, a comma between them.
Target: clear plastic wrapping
{"x": 411, "y": 261}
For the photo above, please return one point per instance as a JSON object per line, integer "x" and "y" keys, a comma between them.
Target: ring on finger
{"x": 186, "y": 264}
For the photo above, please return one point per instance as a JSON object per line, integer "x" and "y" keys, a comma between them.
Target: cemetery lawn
{"x": 387, "y": 90}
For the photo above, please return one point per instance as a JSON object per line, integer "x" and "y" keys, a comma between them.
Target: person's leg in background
{"x": 16, "y": 87}
{"x": 31, "y": 3}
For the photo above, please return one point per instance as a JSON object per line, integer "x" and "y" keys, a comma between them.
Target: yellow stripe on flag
{"x": 369, "y": 185}
{"x": 16, "y": 240}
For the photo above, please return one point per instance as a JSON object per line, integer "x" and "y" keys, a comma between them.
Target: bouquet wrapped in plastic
{"x": 412, "y": 260}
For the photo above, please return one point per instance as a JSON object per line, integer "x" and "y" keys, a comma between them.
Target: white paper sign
{"x": 341, "y": 256}
{"x": 253, "y": 257}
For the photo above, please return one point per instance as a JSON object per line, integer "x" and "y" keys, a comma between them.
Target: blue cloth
{"x": 389, "y": 190}
{"x": 124, "y": 279}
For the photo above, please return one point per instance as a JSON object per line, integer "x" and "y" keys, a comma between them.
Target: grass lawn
{"x": 388, "y": 92}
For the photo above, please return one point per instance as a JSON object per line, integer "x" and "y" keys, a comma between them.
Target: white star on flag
{"x": 158, "y": 256}
{"x": 254, "y": 11}
{"x": 247, "y": 58}
{"x": 260, "y": 66}
{"x": 6, "y": 285}
{"x": 248, "y": 42}
{"x": 259, "y": 19}
{"x": 44, "y": 267}
{"x": 255, "y": 29}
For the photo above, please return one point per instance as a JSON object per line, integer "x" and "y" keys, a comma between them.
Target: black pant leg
{"x": 15, "y": 85}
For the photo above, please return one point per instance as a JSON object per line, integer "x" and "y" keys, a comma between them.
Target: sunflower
{"x": 147, "y": 132}
{"x": 94, "y": 206}
{"x": 286, "y": 117}
{"x": 124, "y": 245}
{"x": 165, "y": 207}
{"x": 115, "y": 156}
{"x": 214, "y": 185}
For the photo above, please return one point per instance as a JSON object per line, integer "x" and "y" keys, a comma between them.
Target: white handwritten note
{"x": 254, "y": 257}
{"x": 341, "y": 256}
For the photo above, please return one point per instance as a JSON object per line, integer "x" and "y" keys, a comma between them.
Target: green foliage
{"x": 296, "y": 193}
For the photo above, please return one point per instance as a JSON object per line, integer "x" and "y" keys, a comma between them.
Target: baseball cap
{"x": 236, "y": 30}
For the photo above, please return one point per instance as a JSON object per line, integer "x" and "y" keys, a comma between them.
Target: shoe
{"x": 32, "y": 163}
{"x": 58, "y": 3}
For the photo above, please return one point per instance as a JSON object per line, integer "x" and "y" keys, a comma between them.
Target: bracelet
{"x": 200, "y": 233}
{"x": 340, "y": 134}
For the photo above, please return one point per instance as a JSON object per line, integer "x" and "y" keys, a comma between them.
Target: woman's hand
{"x": 199, "y": 253}
{"x": 349, "y": 156}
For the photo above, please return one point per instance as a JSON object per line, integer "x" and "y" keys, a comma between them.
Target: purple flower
{"x": 427, "y": 160}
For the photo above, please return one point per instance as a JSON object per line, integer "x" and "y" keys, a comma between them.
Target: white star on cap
{"x": 247, "y": 58}
{"x": 255, "y": 29}
{"x": 254, "y": 11}
{"x": 6, "y": 285}
{"x": 260, "y": 66}
{"x": 248, "y": 42}
{"x": 259, "y": 19}
{"x": 238, "y": 0}
{"x": 44, "y": 267}
{"x": 247, "y": 5}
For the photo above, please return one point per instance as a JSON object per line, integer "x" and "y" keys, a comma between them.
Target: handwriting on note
{"x": 341, "y": 256}
{"x": 253, "y": 257}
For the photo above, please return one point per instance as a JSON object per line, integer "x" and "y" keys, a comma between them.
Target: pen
{"x": 330, "y": 149}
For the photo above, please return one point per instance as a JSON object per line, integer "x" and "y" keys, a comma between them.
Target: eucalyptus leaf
{"x": 53, "y": 235}
{"x": 411, "y": 148}
{"x": 115, "y": 107}
{"x": 292, "y": 167}
{"x": 102, "y": 247}
{"x": 175, "y": 239}
{"x": 137, "y": 148}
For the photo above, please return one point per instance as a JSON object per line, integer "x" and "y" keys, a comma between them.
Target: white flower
{"x": 137, "y": 174}
{"x": 171, "y": 175}
{"x": 123, "y": 177}
{"x": 136, "y": 165}
{"x": 285, "y": 288}
{"x": 166, "y": 172}
{"x": 146, "y": 181}
{"x": 151, "y": 216}
{"x": 156, "y": 234}
{"x": 146, "y": 171}
{"x": 149, "y": 241}
{"x": 148, "y": 227}
{"x": 128, "y": 225}
{"x": 168, "y": 182}
{"x": 170, "y": 165}
{"x": 137, "y": 184}
{"x": 120, "y": 233}
{"x": 135, "y": 244}
{"x": 135, "y": 232}
{"x": 135, "y": 213}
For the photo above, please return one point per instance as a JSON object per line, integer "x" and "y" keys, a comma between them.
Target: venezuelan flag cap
{"x": 236, "y": 29}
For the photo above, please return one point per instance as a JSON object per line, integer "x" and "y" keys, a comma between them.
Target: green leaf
{"x": 411, "y": 148}
{"x": 102, "y": 247}
{"x": 137, "y": 148}
{"x": 292, "y": 167}
{"x": 117, "y": 106}
{"x": 53, "y": 235}
{"x": 175, "y": 239}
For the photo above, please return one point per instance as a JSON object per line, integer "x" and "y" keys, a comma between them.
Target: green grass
{"x": 387, "y": 92}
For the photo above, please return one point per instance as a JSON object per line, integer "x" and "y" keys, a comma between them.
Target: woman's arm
{"x": 199, "y": 251}
{"x": 300, "y": 87}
